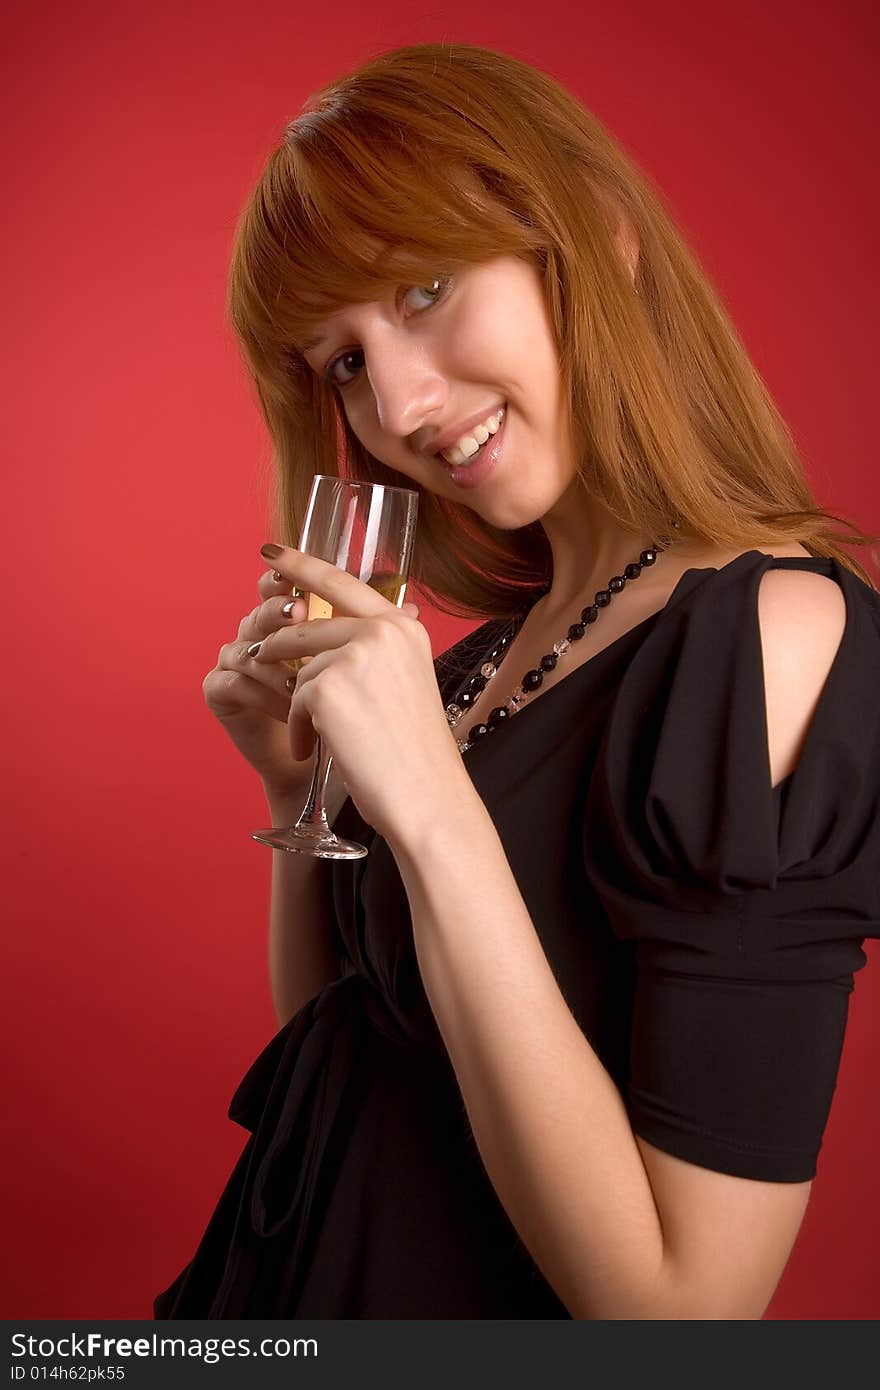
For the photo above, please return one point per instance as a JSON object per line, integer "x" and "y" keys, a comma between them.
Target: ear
{"x": 625, "y": 236}
{"x": 627, "y": 239}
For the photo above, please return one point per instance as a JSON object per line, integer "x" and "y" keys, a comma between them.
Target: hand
{"x": 371, "y": 693}
{"x": 252, "y": 700}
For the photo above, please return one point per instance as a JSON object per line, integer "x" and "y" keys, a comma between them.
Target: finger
{"x": 228, "y": 693}
{"x": 307, "y": 639}
{"x": 300, "y": 721}
{"x": 301, "y": 734}
{"x": 269, "y": 615}
{"x": 273, "y": 582}
{"x": 279, "y": 612}
{"x": 312, "y": 668}
{"x": 349, "y": 596}
{"x": 234, "y": 657}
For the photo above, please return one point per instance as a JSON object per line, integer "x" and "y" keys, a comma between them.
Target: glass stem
{"x": 314, "y": 814}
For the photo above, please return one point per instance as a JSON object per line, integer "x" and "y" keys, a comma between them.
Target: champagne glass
{"x": 367, "y": 530}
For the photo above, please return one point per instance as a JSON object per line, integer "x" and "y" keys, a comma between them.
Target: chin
{"x": 508, "y": 518}
{"x": 516, "y": 512}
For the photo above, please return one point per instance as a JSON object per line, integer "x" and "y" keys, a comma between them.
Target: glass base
{"x": 305, "y": 840}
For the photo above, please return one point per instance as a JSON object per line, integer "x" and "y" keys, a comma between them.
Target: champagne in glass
{"x": 390, "y": 586}
{"x": 367, "y": 530}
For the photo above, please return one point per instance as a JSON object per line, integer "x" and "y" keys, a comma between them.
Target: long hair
{"x": 441, "y": 155}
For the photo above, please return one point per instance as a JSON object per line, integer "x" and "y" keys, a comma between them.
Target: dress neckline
{"x": 681, "y": 589}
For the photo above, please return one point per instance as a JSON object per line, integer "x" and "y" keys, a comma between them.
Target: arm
{"x": 302, "y": 955}
{"x": 619, "y": 1228}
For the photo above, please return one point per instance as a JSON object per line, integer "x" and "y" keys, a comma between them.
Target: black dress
{"x": 703, "y": 928}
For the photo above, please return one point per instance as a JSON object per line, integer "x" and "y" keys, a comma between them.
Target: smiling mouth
{"x": 471, "y": 458}
{"x": 465, "y": 461}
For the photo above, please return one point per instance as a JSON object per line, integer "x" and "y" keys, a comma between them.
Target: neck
{"x": 588, "y": 548}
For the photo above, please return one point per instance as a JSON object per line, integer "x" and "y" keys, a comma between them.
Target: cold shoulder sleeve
{"x": 746, "y": 905}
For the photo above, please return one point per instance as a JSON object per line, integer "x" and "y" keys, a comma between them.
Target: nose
{"x": 408, "y": 389}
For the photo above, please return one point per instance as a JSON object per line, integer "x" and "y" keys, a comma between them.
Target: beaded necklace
{"x": 533, "y": 679}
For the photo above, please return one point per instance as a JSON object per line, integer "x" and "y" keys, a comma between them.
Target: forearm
{"x": 547, "y": 1118}
{"x": 302, "y": 954}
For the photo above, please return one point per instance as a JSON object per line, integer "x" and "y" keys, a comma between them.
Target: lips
{"x": 450, "y": 437}
{"x": 473, "y": 474}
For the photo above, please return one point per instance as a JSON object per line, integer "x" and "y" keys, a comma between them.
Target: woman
{"x": 564, "y": 1044}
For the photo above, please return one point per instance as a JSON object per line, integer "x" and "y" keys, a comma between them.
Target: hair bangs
{"x": 343, "y": 217}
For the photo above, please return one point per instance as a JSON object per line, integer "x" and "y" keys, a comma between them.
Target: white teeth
{"x": 465, "y": 447}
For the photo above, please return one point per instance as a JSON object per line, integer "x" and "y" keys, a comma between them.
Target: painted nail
{"x": 287, "y": 608}
{"x": 271, "y": 552}
{"x": 254, "y": 648}
{"x": 277, "y": 576}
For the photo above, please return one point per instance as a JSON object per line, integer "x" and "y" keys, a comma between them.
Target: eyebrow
{"x": 312, "y": 343}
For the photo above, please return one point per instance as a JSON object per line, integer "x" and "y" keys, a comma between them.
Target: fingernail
{"x": 252, "y": 650}
{"x": 287, "y": 608}
{"x": 277, "y": 576}
{"x": 271, "y": 552}
{"x": 291, "y": 682}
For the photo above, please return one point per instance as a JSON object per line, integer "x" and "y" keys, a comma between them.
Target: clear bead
{"x": 487, "y": 670}
{"x": 453, "y": 714}
{"x": 562, "y": 647}
{"x": 518, "y": 698}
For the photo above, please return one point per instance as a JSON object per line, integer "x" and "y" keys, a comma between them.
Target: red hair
{"x": 441, "y": 155}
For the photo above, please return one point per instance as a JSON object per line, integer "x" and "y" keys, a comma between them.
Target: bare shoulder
{"x": 701, "y": 556}
{"x": 684, "y": 556}
{"x": 791, "y": 550}
{"x": 802, "y": 618}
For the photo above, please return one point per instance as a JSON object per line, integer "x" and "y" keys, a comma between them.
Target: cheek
{"x": 360, "y": 418}
{"x": 485, "y": 341}
{"x": 369, "y": 434}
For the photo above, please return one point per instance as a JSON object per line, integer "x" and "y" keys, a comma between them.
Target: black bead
{"x": 617, "y": 584}
{"x": 632, "y": 571}
{"x": 548, "y": 662}
{"x": 576, "y": 632}
{"x": 648, "y": 557}
{"x": 589, "y": 614}
{"x": 477, "y": 684}
{"x": 532, "y": 679}
{"x": 603, "y": 598}
{"x": 498, "y": 716}
{"x": 466, "y": 699}
{"x": 478, "y": 731}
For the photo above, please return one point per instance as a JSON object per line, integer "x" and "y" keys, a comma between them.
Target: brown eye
{"x": 329, "y": 378}
{"x": 437, "y": 292}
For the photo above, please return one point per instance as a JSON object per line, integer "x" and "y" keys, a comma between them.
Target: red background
{"x": 136, "y": 987}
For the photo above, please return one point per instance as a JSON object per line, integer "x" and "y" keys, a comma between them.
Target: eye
{"x": 330, "y": 379}
{"x": 436, "y": 291}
